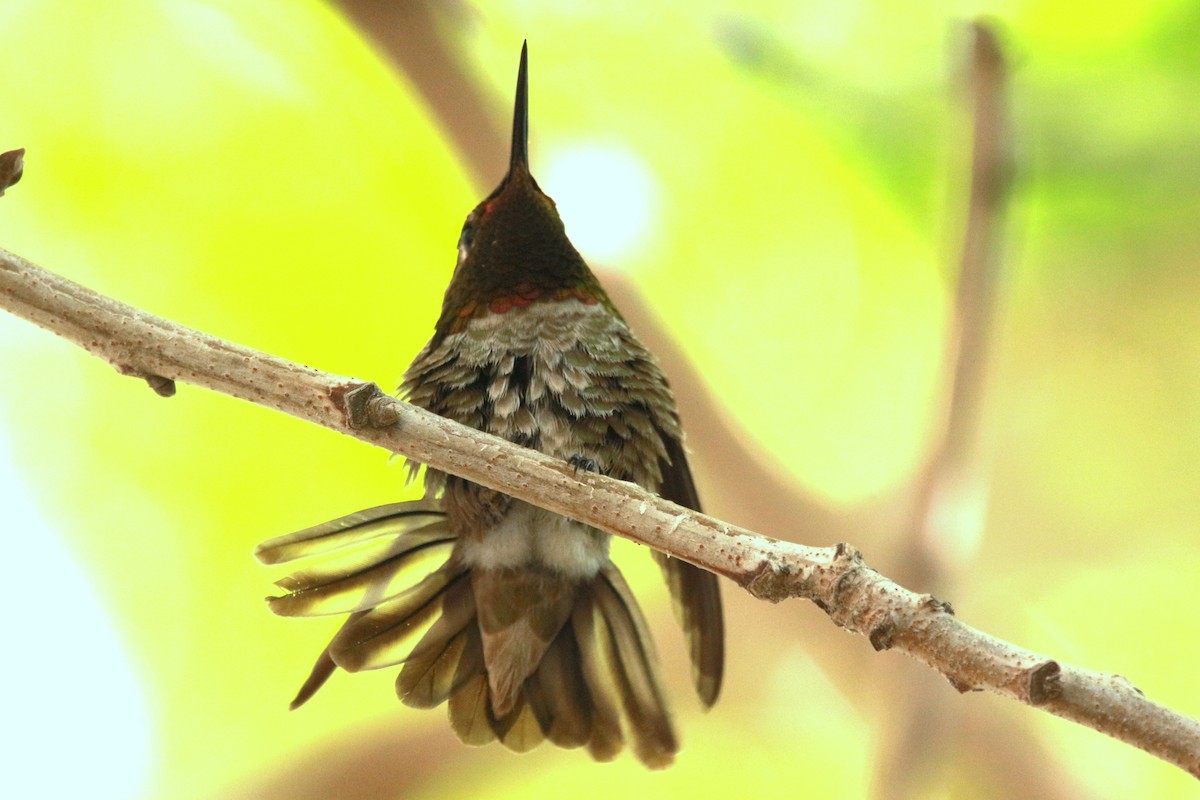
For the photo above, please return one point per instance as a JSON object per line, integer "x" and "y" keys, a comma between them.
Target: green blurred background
{"x": 776, "y": 192}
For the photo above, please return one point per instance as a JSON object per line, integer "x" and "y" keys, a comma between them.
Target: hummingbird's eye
{"x": 467, "y": 235}
{"x": 465, "y": 238}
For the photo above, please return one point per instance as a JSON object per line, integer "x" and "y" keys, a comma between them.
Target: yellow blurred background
{"x": 777, "y": 191}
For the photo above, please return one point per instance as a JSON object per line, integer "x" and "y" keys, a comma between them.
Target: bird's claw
{"x": 584, "y": 463}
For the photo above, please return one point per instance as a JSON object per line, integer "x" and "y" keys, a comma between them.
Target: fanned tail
{"x": 386, "y": 560}
{"x": 593, "y": 682}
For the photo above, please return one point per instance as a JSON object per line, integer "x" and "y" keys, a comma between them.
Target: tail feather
{"x": 518, "y": 730}
{"x": 427, "y": 680}
{"x": 594, "y": 680}
{"x": 558, "y": 694}
{"x": 367, "y": 577}
{"x": 633, "y": 666}
{"x": 361, "y": 526}
{"x": 316, "y": 679}
{"x": 472, "y": 719}
{"x": 520, "y": 612}
{"x": 391, "y": 632}
{"x": 470, "y": 711}
{"x": 521, "y": 730}
{"x": 605, "y": 742}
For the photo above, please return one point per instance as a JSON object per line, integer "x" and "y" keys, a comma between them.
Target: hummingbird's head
{"x": 513, "y": 249}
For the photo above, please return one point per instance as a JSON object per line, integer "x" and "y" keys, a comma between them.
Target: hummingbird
{"x": 515, "y": 616}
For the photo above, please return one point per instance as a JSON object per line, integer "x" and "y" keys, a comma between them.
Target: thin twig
{"x": 12, "y": 165}
{"x": 836, "y": 579}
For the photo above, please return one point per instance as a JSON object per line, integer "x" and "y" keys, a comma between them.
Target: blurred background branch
{"x": 950, "y": 508}
{"x": 417, "y": 38}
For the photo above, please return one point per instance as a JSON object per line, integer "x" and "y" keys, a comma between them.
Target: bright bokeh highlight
{"x": 75, "y": 695}
{"x": 607, "y": 197}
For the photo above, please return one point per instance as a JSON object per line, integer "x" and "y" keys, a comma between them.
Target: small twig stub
{"x": 12, "y": 167}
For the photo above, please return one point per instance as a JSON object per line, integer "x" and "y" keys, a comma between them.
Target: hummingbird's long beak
{"x": 519, "y": 160}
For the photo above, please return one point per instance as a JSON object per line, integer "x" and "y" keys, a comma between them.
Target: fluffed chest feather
{"x": 563, "y": 377}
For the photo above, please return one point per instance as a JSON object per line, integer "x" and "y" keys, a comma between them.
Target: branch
{"x": 836, "y": 579}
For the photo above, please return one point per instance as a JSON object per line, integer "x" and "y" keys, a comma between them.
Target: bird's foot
{"x": 582, "y": 463}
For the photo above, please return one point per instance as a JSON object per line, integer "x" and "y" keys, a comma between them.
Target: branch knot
{"x": 365, "y": 406}
{"x": 1044, "y": 682}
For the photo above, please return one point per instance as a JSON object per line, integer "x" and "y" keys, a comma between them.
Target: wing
{"x": 695, "y": 593}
